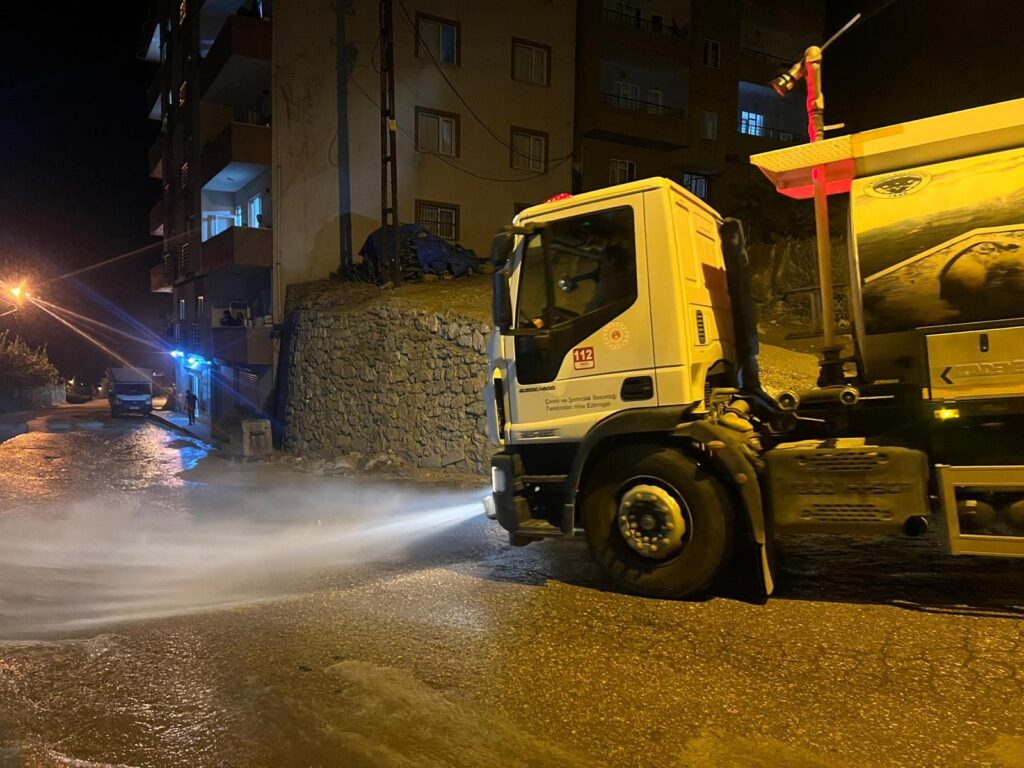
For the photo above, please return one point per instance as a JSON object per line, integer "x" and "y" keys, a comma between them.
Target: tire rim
{"x": 652, "y": 520}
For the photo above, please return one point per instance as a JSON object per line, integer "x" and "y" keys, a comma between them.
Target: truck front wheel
{"x": 656, "y": 523}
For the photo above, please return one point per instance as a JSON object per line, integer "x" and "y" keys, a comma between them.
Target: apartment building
{"x": 679, "y": 88}
{"x": 484, "y": 95}
{"x": 211, "y": 95}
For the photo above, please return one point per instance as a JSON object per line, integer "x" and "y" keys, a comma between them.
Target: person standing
{"x": 191, "y": 402}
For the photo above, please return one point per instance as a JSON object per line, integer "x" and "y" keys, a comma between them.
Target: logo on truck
{"x": 898, "y": 185}
{"x": 616, "y": 335}
{"x": 583, "y": 358}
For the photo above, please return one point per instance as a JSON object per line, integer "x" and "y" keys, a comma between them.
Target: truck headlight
{"x": 499, "y": 483}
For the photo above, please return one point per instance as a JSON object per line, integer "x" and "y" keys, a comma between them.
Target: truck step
{"x": 537, "y": 529}
{"x": 543, "y": 479}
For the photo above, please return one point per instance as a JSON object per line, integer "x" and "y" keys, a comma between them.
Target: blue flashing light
{"x": 177, "y": 353}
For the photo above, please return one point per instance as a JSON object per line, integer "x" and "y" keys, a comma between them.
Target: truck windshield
{"x": 131, "y": 389}
{"x": 591, "y": 267}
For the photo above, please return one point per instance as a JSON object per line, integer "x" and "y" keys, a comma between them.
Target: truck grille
{"x": 845, "y": 461}
{"x": 846, "y": 513}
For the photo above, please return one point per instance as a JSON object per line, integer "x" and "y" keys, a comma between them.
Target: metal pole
{"x": 390, "y": 245}
{"x": 816, "y": 132}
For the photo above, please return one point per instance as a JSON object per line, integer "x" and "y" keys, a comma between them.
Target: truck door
{"x": 584, "y": 348}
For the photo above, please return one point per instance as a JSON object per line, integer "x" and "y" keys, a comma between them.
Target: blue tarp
{"x": 432, "y": 254}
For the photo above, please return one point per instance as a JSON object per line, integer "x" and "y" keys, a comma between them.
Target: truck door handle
{"x": 637, "y": 388}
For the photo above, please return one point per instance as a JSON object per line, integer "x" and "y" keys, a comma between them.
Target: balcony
{"x": 763, "y": 57}
{"x": 156, "y": 158}
{"x": 238, "y": 247}
{"x": 159, "y": 282}
{"x": 154, "y": 96}
{"x": 759, "y": 131}
{"x": 245, "y": 345}
{"x": 236, "y": 157}
{"x": 643, "y": 105}
{"x": 654, "y": 24}
{"x": 237, "y": 68}
{"x": 156, "y": 219}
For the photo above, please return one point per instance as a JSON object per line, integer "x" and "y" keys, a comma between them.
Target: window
{"x": 183, "y": 176}
{"x": 696, "y": 184}
{"x": 712, "y": 54}
{"x": 593, "y": 260}
{"x": 654, "y": 101}
{"x": 530, "y": 62}
{"x": 185, "y": 259}
{"x": 182, "y": 11}
{"x": 238, "y": 216}
{"x": 182, "y": 93}
{"x": 181, "y": 309}
{"x": 200, "y": 307}
{"x": 437, "y": 39}
{"x": 437, "y": 132}
{"x": 255, "y": 208}
{"x": 629, "y": 95}
{"x": 529, "y": 150}
{"x": 751, "y": 123}
{"x": 621, "y": 171}
{"x": 195, "y": 335}
{"x": 628, "y": 13}
{"x": 708, "y": 125}
{"x": 441, "y": 219}
{"x": 177, "y": 331}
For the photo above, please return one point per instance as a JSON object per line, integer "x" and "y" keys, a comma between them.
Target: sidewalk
{"x": 179, "y": 422}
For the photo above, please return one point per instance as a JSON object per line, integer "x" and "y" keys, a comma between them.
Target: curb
{"x": 168, "y": 424}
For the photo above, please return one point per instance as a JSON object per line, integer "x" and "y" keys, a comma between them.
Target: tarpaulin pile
{"x": 420, "y": 253}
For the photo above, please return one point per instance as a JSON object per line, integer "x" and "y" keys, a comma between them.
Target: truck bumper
{"x": 512, "y": 508}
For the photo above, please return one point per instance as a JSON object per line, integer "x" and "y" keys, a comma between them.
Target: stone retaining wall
{"x": 384, "y": 377}
{"x": 31, "y": 398}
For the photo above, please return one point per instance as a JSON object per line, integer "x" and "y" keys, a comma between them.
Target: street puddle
{"x": 118, "y": 558}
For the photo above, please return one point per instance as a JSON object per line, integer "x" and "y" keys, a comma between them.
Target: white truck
{"x": 129, "y": 391}
{"x": 623, "y": 391}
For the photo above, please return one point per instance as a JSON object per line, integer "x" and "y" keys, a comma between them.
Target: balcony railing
{"x": 156, "y": 219}
{"x": 655, "y": 24}
{"x": 159, "y": 282}
{"x": 238, "y": 247}
{"x": 765, "y": 58}
{"x": 766, "y": 132}
{"x": 240, "y": 36}
{"x": 642, "y": 105}
{"x": 238, "y": 143}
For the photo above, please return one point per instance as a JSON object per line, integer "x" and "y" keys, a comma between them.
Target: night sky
{"x": 74, "y": 135}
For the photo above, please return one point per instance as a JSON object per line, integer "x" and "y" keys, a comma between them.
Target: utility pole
{"x": 390, "y": 246}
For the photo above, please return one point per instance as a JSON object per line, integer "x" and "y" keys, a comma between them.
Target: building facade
{"x": 211, "y": 95}
{"x": 679, "y": 88}
{"x": 484, "y": 97}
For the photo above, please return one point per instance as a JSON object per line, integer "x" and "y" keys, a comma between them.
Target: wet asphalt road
{"x": 457, "y": 651}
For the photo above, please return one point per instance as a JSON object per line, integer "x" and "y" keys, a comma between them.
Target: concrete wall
{"x": 305, "y": 173}
{"x": 386, "y": 376}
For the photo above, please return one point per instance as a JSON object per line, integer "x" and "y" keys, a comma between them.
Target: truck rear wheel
{"x": 656, "y": 523}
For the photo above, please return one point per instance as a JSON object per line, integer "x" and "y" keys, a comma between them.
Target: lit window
{"x": 529, "y": 150}
{"x": 181, "y": 309}
{"x": 530, "y": 62}
{"x": 200, "y": 307}
{"x": 238, "y": 216}
{"x": 655, "y": 99}
{"x": 255, "y": 210}
{"x": 184, "y": 175}
{"x": 696, "y": 184}
{"x": 182, "y": 11}
{"x": 185, "y": 259}
{"x": 712, "y": 54}
{"x": 629, "y": 95}
{"x": 708, "y": 125}
{"x": 439, "y": 219}
{"x": 437, "y": 39}
{"x": 437, "y": 132}
{"x": 752, "y": 123}
{"x": 182, "y": 94}
{"x": 621, "y": 171}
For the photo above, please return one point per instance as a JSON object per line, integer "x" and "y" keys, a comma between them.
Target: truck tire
{"x": 645, "y": 489}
